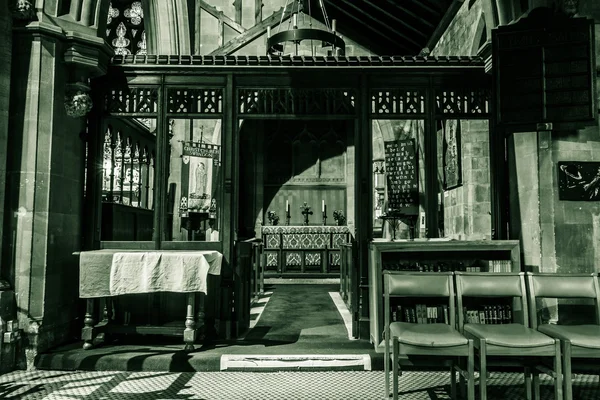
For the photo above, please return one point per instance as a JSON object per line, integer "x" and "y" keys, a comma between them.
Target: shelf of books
{"x": 438, "y": 255}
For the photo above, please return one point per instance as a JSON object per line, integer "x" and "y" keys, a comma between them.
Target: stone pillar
{"x": 5, "y": 65}
{"x": 524, "y": 196}
{"x": 45, "y": 174}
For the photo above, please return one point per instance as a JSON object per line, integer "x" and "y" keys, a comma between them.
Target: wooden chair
{"x": 577, "y": 341}
{"x": 520, "y": 344}
{"x": 434, "y": 339}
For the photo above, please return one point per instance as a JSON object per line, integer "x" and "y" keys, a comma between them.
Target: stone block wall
{"x": 467, "y": 208}
{"x": 458, "y": 38}
{"x": 46, "y": 172}
{"x": 576, "y": 223}
{"x": 524, "y": 196}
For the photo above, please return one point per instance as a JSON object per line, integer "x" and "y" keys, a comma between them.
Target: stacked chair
{"x": 435, "y": 340}
{"x": 577, "y": 341}
{"x": 517, "y": 343}
{"x": 522, "y": 343}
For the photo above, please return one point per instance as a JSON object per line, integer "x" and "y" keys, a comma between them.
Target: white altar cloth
{"x": 110, "y": 272}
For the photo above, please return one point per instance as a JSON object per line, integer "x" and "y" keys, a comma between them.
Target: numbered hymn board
{"x": 401, "y": 170}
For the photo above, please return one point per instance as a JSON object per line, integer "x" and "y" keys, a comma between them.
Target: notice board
{"x": 401, "y": 169}
{"x": 544, "y": 71}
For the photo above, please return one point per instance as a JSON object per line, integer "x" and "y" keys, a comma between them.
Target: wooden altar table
{"x": 106, "y": 273}
{"x": 303, "y": 249}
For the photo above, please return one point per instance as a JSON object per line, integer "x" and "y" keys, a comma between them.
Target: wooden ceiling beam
{"x": 395, "y": 18}
{"x": 423, "y": 4}
{"x": 361, "y": 22}
{"x": 444, "y": 23}
{"x": 212, "y": 10}
{"x": 252, "y": 33}
{"x": 362, "y": 12}
{"x": 412, "y": 14}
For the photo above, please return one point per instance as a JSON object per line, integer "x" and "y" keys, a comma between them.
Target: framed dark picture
{"x": 452, "y": 155}
{"x": 579, "y": 180}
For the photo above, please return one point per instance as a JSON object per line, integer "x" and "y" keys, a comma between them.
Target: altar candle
{"x": 323, "y": 206}
{"x": 287, "y": 206}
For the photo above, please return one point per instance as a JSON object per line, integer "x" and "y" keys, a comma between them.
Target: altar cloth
{"x": 107, "y": 272}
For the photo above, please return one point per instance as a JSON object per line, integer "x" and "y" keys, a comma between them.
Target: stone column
{"x": 45, "y": 173}
{"x": 5, "y": 65}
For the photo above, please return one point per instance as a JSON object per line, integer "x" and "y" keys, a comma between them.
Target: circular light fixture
{"x": 276, "y": 43}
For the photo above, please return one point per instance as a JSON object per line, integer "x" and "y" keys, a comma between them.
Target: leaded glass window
{"x": 125, "y": 27}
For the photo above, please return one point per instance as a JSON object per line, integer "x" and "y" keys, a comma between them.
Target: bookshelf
{"x": 437, "y": 255}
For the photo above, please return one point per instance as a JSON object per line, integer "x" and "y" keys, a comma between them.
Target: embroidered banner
{"x": 199, "y": 162}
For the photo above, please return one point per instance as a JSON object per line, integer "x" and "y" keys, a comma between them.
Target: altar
{"x": 109, "y": 273}
{"x": 303, "y": 249}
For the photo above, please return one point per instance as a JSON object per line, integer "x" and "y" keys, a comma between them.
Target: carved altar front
{"x": 303, "y": 249}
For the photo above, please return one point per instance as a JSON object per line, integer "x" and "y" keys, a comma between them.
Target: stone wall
{"x": 556, "y": 236}
{"x": 458, "y": 39}
{"x": 467, "y": 208}
{"x": 45, "y": 174}
{"x": 576, "y": 223}
{"x": 524, "y": 196}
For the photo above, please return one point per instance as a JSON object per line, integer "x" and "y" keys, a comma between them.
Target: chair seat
{"x": 579, "y": 335}
{"x": 427, "y": 335}
{"x": 509, "y": 335}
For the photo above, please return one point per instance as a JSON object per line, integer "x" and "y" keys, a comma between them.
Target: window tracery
{"x": 125, "y": 27}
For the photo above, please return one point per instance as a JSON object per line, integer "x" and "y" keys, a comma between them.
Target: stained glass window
{"x": 125, "y": 27}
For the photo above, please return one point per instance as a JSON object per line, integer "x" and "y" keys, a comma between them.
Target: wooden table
{"x": 107, "y": 273}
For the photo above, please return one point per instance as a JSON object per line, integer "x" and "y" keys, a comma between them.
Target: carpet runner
{"x": 301, "y": 316}
{"x": 289, "y": 320}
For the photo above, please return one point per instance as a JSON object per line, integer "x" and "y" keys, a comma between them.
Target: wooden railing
{"x": 258, "y": 270}
{"x": 349, "y": 284}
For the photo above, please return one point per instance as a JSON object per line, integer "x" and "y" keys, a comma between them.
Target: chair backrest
{"x": 490, "y": 284}
{"x": 546, "y": 285}
{"x": 418, "y": 284}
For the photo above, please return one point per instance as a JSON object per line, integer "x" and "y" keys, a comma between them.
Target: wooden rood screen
{"x": 228, "y": 89}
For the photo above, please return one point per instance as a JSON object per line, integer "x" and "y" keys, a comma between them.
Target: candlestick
{"x": 324, "y": 215}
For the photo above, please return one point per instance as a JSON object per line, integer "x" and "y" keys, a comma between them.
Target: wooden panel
{"x": 126, "y": 223}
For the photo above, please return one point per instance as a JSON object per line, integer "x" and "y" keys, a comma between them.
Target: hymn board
{"x": 401, "y": 170}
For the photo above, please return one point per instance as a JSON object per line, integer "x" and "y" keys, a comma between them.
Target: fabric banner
{"x": 199, "y": 162}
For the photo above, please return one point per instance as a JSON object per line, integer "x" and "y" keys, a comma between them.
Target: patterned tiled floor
{"x": 348, "y": 385}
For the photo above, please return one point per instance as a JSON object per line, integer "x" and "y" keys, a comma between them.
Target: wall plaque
{"x": 579, "y": 180}
{"x": 401, "y": 169}
{"x": 544, "y": 70}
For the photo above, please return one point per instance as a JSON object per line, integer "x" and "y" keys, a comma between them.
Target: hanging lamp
{"x": 295, "y": 36}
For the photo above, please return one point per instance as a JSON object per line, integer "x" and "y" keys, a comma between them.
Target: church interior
{"x": 228, "y": 184}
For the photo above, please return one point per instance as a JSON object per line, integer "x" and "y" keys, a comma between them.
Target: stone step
{"x": 295, "y": 362}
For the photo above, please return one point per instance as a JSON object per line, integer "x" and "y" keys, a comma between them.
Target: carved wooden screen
{"x": 409, "y": 103}
{"x": 307, "y": 102}
{"x": 462, "y": 103}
